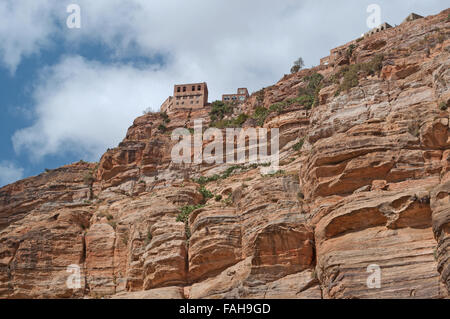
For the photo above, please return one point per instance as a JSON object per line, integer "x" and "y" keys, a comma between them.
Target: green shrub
{"x": 298, "y": 146}
{"x": 88, "y": 178}
{"x": 218, "y": 198}
{"x": 206, "y": 194}
{"x": 350, "y": 50}
{"x": 260, "y": 114}
{"x": 260, "y": 96}
{"x": 149, "y": 237}
{"x": 374, "y": 66}
{"x": 113, "y": 224}
{"x": 351, "y": 73}
{"x": 235, "y": 122}
{"x": 443, "y": 106}
{"x": 202, "y": 180}
{"x": 183, "y": 216}
{"x": 309, "y": 96}
{"x": 162, "y": 128}
{"x": 228, "y": 201}
{"x": 218, "y": 110}
{"x": 350, "y": 78}
{"x": 165, "y": 117}
{"x": 298, "y": 65}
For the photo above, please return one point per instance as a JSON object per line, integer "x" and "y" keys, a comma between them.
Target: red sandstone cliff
{"x": 369, "y": 185}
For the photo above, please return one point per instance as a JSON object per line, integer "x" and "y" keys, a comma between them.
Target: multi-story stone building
{"x": 193, "y": 96}
{"x": 241, "y": 96}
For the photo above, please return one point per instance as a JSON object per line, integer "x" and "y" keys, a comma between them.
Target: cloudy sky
{"x": 69, "y": 94}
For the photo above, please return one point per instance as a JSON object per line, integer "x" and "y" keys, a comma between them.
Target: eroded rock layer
{"x": 364, "y": 181}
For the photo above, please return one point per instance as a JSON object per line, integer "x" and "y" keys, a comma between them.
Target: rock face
{"x": 364, "y": 184}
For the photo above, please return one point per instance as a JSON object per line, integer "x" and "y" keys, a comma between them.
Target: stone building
{"x": 240, "y": 97}
{"x": 193, "y": 96}
{"x": 413, "y": 16}
{"x": 381, "y": 27}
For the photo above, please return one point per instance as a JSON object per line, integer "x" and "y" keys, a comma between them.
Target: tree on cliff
{"x": 298, "y": 65}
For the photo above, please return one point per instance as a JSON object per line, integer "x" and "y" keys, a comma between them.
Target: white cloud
{"x": 9, "y": 173}
{"x": 25, "y": 29}
{"x": 84, "y": 106}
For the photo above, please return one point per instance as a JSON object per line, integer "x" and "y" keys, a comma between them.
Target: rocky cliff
{"x": 364, "y": 180}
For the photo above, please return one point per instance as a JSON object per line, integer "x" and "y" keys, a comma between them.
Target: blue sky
{"x": 69, "y": 94}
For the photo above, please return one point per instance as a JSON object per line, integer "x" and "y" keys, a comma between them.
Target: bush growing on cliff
{"x": 88, "y": 178}
{"x": 183, "y": 216}
{"x": 350, "y": 73}
{"x": 218, "y": 110}
{"x": 298, "y": 65}
{"x": 162, "y": 128}
{"x": 260, "y": 96}
{"x": 165, "y": 117}
{"x": 206, "y": 194}
{"x": 298, "y": 146}
{"x": 309, "y": 96}
{"x": 234, "y": 122}
{"x": 260, "y": 114}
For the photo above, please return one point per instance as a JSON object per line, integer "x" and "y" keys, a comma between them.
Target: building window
{"x": 178, "y": 89}
{"x": 199, "y": 87}
{"x": 192, "y": 102}
{"x": 184, "y": 89}
{"x": 193, "y": 88}
{"x": 182, "y": 102}
{"x": 178, "y": 103}
{"x": 242, "y": 98}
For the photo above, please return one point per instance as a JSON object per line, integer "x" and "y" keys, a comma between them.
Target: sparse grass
{"x": 309, "y": 96}
{"x": 275, "y": 174}
{"x": 228, "y": 201}
{"x": 228, "y": 172}
{"x": 88, "y": 178}
{"x": 234, "y": 122}
{"x": 414, "y": 129}
{"x": 149, "y": 238}
{"x": 350, "y": 73}
{"x": 113, "y": 224}
{"x": 298, "y": 146}
{"x": 260, "y": 96}
{"x": 443, "y": 106}
{"x": 183, "y": 216}
{"x": 218, "y": 198}
{"x": 260, "y": 114}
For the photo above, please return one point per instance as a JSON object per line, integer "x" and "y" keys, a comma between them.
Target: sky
{"x": 68, "y": 94}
